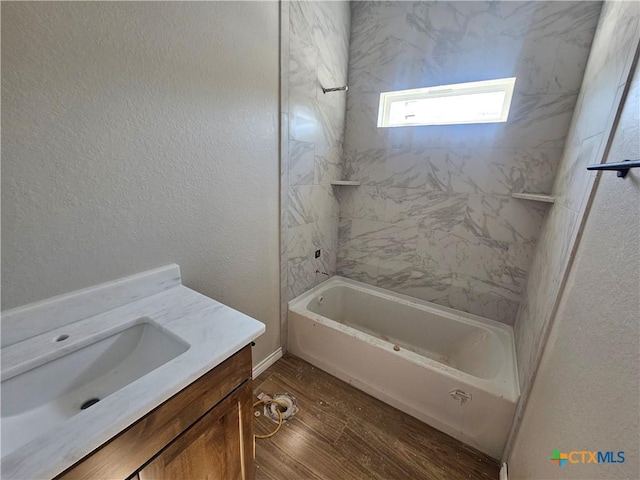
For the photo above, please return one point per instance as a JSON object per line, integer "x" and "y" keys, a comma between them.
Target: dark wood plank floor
{"x": 343, "y": 433}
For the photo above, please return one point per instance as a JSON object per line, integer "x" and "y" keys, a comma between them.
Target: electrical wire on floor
{"x": 267, "y": 402}
{"x": 278, "y": 407}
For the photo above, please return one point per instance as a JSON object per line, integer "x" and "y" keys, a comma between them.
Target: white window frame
{"x": 488, "y": 86}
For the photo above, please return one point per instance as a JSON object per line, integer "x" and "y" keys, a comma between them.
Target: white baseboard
{"x": 267, "y": 362}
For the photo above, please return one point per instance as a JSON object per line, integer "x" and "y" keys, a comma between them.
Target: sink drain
{"x": 88, "y": 403}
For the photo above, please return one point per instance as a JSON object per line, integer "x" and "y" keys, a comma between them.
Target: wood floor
{"x": 343, "y": 433}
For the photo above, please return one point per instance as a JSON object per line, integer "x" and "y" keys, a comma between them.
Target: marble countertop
{"x": 213, "y": 331}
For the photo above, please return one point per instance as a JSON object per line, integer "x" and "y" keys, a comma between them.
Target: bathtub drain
{"x": 461, "y": 396}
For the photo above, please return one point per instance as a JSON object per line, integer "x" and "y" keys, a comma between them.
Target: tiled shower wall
{"x": 318, "y": 39}
{"x": 434, "y": 217}
{"x": 614, "y": 47}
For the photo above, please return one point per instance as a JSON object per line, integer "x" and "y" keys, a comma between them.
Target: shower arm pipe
{"x": 335, "y": 89}
{"x": 622, "y": 167}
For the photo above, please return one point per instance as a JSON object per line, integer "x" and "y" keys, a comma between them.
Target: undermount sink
{"x": 42, "y": 398}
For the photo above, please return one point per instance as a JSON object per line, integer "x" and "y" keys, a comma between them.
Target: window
{"x": 474, "y": 102}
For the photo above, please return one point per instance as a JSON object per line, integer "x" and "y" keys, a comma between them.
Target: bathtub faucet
{"x": 323, "y": 273}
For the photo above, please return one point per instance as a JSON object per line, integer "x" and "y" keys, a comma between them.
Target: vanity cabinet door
{"x": 218, "y": 446}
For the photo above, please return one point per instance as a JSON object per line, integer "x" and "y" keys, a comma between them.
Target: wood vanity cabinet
{"x": 203, "y": 432}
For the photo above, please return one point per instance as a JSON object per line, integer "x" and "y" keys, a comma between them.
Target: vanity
{"x": 205, "y": 431}
{"x": 135, "y": 379}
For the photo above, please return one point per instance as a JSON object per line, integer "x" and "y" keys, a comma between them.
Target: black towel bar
{"x": 622, "y": 167}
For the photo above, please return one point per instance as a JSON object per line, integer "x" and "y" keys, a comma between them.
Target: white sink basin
{"x": 40, "y": 399}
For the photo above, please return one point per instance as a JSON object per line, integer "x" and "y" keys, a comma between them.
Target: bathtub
{"x": 452, "y": 370}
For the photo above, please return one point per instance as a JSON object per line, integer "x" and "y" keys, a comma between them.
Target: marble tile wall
{"x": 615, "y": 46}
{"x": 314, "y": 54}
{"x": 434, "y": 217}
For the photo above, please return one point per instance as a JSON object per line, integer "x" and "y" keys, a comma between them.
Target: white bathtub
{"x": 353, "y": 331}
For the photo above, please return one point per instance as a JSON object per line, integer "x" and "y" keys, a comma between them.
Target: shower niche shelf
{"x": 346, "y": 183}
{"x": 536, "y": 197}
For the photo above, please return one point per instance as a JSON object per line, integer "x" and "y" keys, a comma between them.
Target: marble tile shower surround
{"x": 315, "y": 55}
{"x": 614, "y": 48}
{"x": 452, "y": 249}
{"x": 434, "y": 217}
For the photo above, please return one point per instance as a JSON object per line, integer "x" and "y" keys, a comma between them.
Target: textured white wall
{"x": 585, "y": 396}
{"x": 136, "y": 135}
